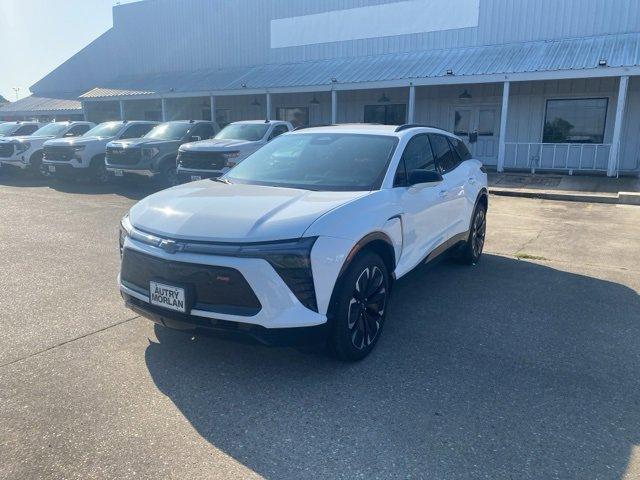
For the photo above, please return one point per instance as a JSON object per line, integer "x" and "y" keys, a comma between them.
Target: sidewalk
{"x": 576, "y": 188}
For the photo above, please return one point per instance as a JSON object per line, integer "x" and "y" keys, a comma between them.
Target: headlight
{"x": 78, "y": 148}
{"x": 22, "y": 147}
{"x": 125, "y": 229}
{"x": 148, "y": 153}
{"x": 230, "y": 157}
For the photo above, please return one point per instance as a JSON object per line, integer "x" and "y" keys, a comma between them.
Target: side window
{"x": 202, "y": 130}
{"x": 460, "y": 148}
{"x": 417, "y": 156}
{"x": 77, "y": 130}
{"x": 446, "y": 159}
{"x": 26, "y": 130}
{"x": 277, "y": 131}
{"x": 136, "y": 131}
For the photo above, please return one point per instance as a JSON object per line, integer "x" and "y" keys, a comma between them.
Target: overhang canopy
{"x": 34, "y": 105}
{"x": 590, "y": 56}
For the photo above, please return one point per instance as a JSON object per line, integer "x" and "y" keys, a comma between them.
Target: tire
{"x": 99, "y": 173}
{"x": 358, "y": 318}
{"x": 169, "y": 175}
{"x": 472, "y": 249}
{"x": 36, "y": 164}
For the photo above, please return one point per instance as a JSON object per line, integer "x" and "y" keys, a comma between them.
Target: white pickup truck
{"x": 83, "y": 157}
{"x": 235, "y": 142}
{"x": 25, "y": 152}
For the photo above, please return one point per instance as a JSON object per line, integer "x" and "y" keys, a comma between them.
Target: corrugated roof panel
{"x": 567, "y": 54}
{"x": 35, "y": 104}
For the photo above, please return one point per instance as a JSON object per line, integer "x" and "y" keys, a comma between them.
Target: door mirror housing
{"x": 473, "y": 137}
{"x": 427, "y": 178}
{"x": 196, "y": 138}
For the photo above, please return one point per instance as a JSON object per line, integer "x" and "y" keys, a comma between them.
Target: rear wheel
{"x": 360, "y": 308}
{"x": 472, "y": 250}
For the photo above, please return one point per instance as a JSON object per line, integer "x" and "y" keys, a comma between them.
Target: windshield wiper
{"x": 221, "y": 180}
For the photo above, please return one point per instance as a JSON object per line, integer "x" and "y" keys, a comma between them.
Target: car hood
{"x": 218, "y": 145}
{"x": 32, "y": 138}
{"x": 65, "y": 142}
{"x": 213, "y": 211}
{"x": 142, "y": 142}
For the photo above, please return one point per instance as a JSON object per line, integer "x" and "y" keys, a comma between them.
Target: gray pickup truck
{"x": 154, "y": 155}
{"x": 234, "y": 143}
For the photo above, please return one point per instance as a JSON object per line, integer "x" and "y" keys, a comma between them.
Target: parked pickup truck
{"x": 234, "y": 143}
{"x": 25, "y": 152}
{"x": 18, "y": 129}
{"x": 83, "y": 157}
{"x": 154, "y": 155}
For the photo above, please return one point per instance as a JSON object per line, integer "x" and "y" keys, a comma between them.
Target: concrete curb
{"x": 621, "y": 198}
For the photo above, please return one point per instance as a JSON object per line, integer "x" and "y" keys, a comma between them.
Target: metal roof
{"x": 622, "y": 50}
{"x": 33, "y": 104}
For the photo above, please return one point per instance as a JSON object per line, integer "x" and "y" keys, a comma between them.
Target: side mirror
{"x": 473, "y": 137}
{"x": 424, "y": 177}
{"x": 196, "y": 138}
{"x": 69, "y": 135}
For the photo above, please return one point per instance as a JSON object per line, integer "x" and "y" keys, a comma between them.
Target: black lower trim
{"x": 447, "y": 246}
{"x": 234, "y": 331}
{"x": 185, "y": 174}
{"x": 67, "y": 171}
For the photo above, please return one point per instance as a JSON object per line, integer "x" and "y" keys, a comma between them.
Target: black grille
{"x": 216, "y": 289}
{"x": 123, "y": 156}
{"x": 59, "y": 154}
{"x": 6, "y": 150}
{"x": 203, "y": 160}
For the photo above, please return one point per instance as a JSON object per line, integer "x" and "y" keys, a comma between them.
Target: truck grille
{"x": 216, "y": 289}
{"x": 6, "y": 150}
{"x": 58, "y": 154}
{"x": 203, "y": 160}
{"x": 123, "y": 156}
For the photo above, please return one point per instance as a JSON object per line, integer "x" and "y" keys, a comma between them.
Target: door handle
{"x": 443, "y": 193}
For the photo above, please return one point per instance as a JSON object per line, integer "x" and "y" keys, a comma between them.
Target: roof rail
{"x": 415, "y": 125}
{"x": 304, "y": 127}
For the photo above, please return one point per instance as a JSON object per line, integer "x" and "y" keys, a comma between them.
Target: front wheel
{"x": 100, "y": 175}
{"x": 360, "y": 308}
{"x": 169, "y": 175}
{"x": 472, "y": 249}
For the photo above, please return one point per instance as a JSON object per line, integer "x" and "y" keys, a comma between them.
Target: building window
{"x": 394, "y": 114}
{"x": 297, "y": 116}
{"x": 579, "y": 120}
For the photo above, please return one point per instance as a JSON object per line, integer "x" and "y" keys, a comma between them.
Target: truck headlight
{"x": 231, "y": 159}
{"x": 77, "y": 149}
{"x": 22, "y": 147}
{"x": 148, "y": 153}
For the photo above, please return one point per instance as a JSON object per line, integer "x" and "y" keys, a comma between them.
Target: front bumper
{"x": 192, "y": 174}
{"x": 279, "y": 307}
{"x": 122, "y": 171}
{"x": 64, "y": 169}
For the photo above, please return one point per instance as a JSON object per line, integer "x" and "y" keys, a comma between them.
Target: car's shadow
{"x": 509, "y": 369}
{"x": 132, "y": 188}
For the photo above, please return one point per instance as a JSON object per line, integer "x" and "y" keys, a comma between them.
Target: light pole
{"x": 16, "y": 90}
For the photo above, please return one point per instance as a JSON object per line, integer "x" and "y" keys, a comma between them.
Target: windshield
{"x": 52, "y": 129}
{"x": 107, "y": 129}
{"x": 251, "y": 132}
{"x": 7, "y": 128}
{"x": 319, "y": 161}
{"x": 169, "y": 131}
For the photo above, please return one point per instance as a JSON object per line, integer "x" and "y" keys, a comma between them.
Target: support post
{"x": 334, "y": 106}
{"x": 164, "y": 109}
{"x": 122, "y": 116}
{"x": 268, "y": 106}
{"x": 614, "y": 153}
{"x": 212, "y": 103}
{"x": 411, "y": 111}
{"x": 503, "y": 126}
{"x": 84, "y": 111}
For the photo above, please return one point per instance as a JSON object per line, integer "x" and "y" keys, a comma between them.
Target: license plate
{"x": 118, "y": 173}
{"x": 195, "y": 178}
{"x": 167, "y": 296}
{"x": 52, "y": 168}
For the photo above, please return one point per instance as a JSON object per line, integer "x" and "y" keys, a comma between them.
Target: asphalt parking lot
{"x": 526, "y": 366}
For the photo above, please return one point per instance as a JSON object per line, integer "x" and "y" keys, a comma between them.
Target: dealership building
{"x": 531, "y": 85}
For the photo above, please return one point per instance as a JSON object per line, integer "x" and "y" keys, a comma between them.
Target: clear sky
{"x": 38, "y": 35}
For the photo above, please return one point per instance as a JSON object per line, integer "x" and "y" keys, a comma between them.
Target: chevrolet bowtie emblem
{"x": 169, "y": 246}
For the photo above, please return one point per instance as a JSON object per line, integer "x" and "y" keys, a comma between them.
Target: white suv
{"x": 305, "y": 237}
{"x": 25, "y": 152}
{"x": 234, "y": 143}
{"x": 83, "y": 157}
